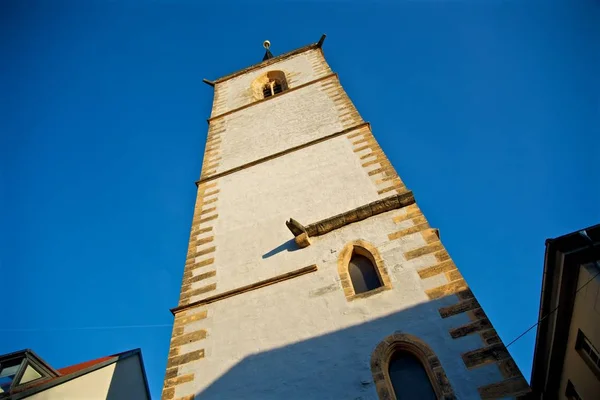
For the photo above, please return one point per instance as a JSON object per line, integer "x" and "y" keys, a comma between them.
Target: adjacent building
{"x": 311, "y": 271}
{"x": 566, "y": 363}
{"x": 24, "y": 375}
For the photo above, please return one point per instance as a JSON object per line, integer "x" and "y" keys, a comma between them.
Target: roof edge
{"x": 270, "y": 61}
{"x": 65, "y": 378}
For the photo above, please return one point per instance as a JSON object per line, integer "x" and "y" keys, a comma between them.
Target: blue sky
{"x": 489, "y": 110}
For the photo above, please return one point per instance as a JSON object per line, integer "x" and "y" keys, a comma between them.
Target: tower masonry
{"x": 311, "y": 271}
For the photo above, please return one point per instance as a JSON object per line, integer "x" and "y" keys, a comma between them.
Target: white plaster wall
{"x": 254, "y": 204}
{"x": 586, "y": 316}
{"x": 302, "y": 339}
{"x": 122, "y": 380}
{"x": 299, "y": 69}
{"x": 276, "y": 125}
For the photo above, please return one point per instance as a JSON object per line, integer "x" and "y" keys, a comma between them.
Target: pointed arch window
{"x": 362, "y": 271}
{"x": 363, "y": 274}
{"x": 408, "y": 377}
{"x": 405, "y": 367}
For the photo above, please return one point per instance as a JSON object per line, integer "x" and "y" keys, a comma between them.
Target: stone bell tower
{"x": 311, "y": 272}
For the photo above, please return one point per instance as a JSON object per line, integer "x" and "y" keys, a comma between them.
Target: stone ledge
{"x": 244, "y": 289}
{"x": 358, "y": 214}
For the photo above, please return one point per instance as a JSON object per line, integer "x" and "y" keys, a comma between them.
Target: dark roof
{"x": 268, "y": 55}
{"x": 562, "y": 259}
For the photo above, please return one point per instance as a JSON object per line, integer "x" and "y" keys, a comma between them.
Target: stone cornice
{"x": 281, "y": 153}
{"x": 327, "y": 225}
{"x": 247, "y": 288}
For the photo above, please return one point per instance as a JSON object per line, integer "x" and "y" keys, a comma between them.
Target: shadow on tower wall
{"x": 336, "y": 365}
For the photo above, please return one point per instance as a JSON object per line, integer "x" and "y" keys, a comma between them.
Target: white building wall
{"x": 122, "y": 380}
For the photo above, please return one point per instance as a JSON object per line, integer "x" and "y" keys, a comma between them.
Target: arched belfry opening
{"x": 362, "y": 271}
{"x": 269, "y": 84}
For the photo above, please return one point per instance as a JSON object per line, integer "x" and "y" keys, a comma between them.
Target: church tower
{"x": 311, "y": 272}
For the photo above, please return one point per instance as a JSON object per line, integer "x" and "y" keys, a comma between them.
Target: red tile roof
{"x": 78, "y": 367}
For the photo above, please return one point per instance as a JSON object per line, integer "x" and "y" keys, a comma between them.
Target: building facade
{"x": 566, "y": 363}
{"x": 311, "y": 271}
{"x": 24, "y": 375}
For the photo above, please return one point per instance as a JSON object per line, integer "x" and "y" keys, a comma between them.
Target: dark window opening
{"x": 588, "y": 352}
{"x": 571, "y": 393}
{"x": 409, "y": 378}
{"x": 272, "y": 88}
{"x": 363, "y": 274}
{"x": 267, "y": 90}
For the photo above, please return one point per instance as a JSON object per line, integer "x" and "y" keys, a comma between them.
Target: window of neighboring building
{"x": 571, "y": 393}
{"x": 588, "y": 352}
{"x": 409, "y": 378}
{"x": 363, "y": 274}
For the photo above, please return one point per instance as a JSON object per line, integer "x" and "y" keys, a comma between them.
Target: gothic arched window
{"x": 405, "y": 367}
{"x": 362, "y": 274}
{"x": 361, "y": 270}
{"x": 408, "y": 377}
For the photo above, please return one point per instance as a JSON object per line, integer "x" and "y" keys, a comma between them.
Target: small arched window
{"x": 362, "y": 271}
{"x": 269, "y": 84}
{"x": 363, "y": 274}
{"x": 408, "y": 377}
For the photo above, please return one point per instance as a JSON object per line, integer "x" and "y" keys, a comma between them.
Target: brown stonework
{"x": 184, "y": 319}
{"x": 508, "y": 388}
{"x": 208, "y": 210}
{"x": 201, "y": 264}
{"x": 168, "y": 393}
{"x": 208, "y": 239}
{"x": 453, "y": 275}
{"x": 458, "y": 308}
{"x": 185, "y": 358}
{"x": 179, "y": 380}
{"x": 509, "y": 369}
{"x": 421, "y": 251}
{"x": 408, "y": 231}
{"x": 442, "y": 255}
{"x": 189, "y": 338}
{"x": 471, "y": 327}
{"x": 490, "y": 337}
{"x": 447, "y": 289}
{"x": 465, "y": 294}
{"x": 188, "y": 397}
{"x": 171, "y": 373}
{"x": 204, "y": 251}
{"x": 196, "y": 292}
{"x": 436, "y": 269}
{"x": 199, "y": 278}
{"x": 486, "y": 355}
